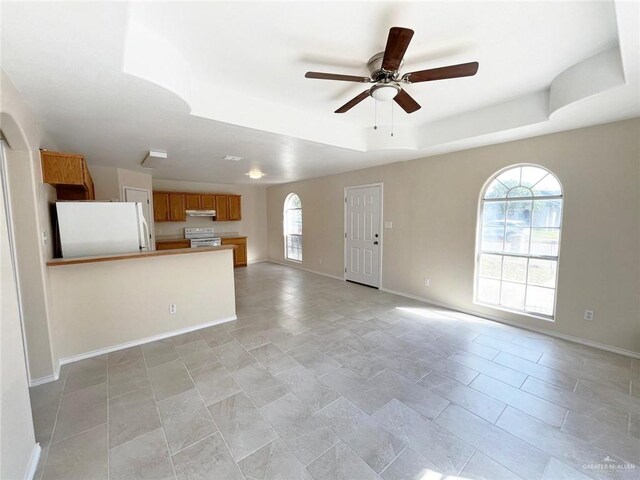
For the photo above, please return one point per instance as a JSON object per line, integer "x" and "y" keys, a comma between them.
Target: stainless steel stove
{"x": 202, "y": 237}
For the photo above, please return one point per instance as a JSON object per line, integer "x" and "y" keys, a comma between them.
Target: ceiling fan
{"x": 384, "y": 69}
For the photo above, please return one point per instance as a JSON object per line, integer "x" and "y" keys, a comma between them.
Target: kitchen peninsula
{"x": 107, "y": 303}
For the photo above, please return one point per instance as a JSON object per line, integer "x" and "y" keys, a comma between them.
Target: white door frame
{"x": 5, "y": 204}
{"x": 152, "y": 226}
{"x": 344, "y": 261}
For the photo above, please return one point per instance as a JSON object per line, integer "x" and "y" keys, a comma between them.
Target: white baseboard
{"x": 42, "y": 380}
{"x": 122, "y": 346}
{"x": 293, "y": 265}
{"x": 33, "y": 461}
{"x": 551, "y": 333}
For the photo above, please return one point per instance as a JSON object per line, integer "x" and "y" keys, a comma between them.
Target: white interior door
{"x": 142, "y": 196}
{"x": 363, "y": 238}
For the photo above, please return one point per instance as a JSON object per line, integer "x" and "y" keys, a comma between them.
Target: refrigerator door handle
{"x": 143, "y": 229}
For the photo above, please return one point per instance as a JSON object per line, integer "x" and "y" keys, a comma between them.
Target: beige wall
{"x": 101, "y": 305}
{"x": 433, "y": 205}
{"x": 29, "y": 201}
{"x": 254, "y": 214}
{"x": 105, "y": 182}
{"x": 17, "y": 439}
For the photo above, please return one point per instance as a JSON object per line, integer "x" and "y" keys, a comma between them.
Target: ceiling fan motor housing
{"x": 374, "y": 65}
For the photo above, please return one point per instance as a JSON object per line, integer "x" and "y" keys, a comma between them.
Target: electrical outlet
{"x": 172, "y": 308}
{"x": 427, "y": 282}
{"x": 588, "y": 315}
{"x": 388, "y": 224}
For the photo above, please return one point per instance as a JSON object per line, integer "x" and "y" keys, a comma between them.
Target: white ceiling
{"x": 202, "y": 80}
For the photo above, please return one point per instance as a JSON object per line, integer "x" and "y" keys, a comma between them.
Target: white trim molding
{"x": 562, "y": 336}
{"x": 142, "y": 341}
{"x": 122, "y": 346}
{"x": 33, "y": 462}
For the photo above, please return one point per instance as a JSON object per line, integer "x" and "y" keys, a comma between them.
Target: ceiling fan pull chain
{"x": 392, "y": 119}
{"x": 375, "y": 115}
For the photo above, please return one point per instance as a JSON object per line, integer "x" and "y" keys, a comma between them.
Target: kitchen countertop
{"x": 128, "y": 256}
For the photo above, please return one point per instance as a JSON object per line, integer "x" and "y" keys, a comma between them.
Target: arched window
{"x": 293, "y": 228}
{"x": 519, "y": 241}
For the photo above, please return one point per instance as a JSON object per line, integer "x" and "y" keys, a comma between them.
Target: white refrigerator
{"x": 101, "y": 228}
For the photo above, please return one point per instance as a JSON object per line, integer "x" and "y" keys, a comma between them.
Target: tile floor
{"x": 321, "y": 379}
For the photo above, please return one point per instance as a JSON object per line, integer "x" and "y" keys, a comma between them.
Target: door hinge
{"x": 345, "y": 199}
{"x": 345, "y": 235}
{"x": 148, "y": 201}
{"x": 345, "y": 269}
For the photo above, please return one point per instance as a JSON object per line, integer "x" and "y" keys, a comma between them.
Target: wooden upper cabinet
{"x": 69, "y": 173}
{"x": 235, "y": 210}
{"x": 222, "y": 208}
{"x": 192, "y": 201}
{"x": 161, "y": 207}
{"x": 208, "y": 202}
{"x": 177, "y": 210}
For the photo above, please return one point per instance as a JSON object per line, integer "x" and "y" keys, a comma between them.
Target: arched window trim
{"x": 292, "y": 241}
{"x": 479, "y": 234}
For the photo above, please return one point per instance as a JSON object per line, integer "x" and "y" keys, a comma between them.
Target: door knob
{"x": 375, "y": 243}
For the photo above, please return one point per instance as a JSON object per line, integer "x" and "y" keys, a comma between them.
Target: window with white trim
{"x": 293, "y": 228}
{"x": 519, "y": 241}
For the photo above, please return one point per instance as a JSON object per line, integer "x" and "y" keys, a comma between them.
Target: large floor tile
{"x": 214, "y": 383}
{"x": 411, "y": 466}
{"x": 125, "y": 355}
{"x": 361, "y": 364}
{"x": 82, "y": 457}
{"x": 314, "y": 360}
{"x": 559, "y": 378}
{"x": 427, "y": 403}
{"x": 126, "y": 377}
{"x": 508, "y": 450}
{"x": 241, "y": 425}
{"x": 433, "y": 442}
{"x": 159, "y": 352}
{"x": 377, "y": 447}
{"x": 481, "y": 467}
{"x": 365, "y": 395}
{"x": 233, "y": 356}
{"x": 196, "y": 354}
{"x": 273, "y": 359}
{"x": 207, "y": 459}
{"x": 305, "y": 435}
{"x": 571, "y": 450}
{"x": 508, "y": 347}
{"x": 491, "y": 369}
{"x": 535, "y": 406}
{"x": 170, "y": 379}
{"x": 132, "y": 415}
{"x": 271, "y": 462}
{"x": 559, "y": 471}
{"x": 340, "y": 463}
{"x": 460, "y": 394}
{"x": 86, "y": 373}
{"x": 313, "y": 393}
{"x": 80, "y": 411}
{"x": 185, "y": 420}
{"x": 143, "y": 458}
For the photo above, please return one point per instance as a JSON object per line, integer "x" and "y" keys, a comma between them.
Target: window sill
{"x": 517, "y": 312}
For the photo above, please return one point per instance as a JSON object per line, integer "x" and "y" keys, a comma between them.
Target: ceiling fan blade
{"x": 336, "y": 76}
{"x": 406, "y": 101}
{"x": 452, "y": 71}
{"x": 397, "y": 44}
{"x": 353, "y": 102}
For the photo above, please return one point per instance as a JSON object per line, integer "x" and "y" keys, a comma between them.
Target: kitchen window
{"x": 293, "y": 228}
{"x": 518, "y": 244}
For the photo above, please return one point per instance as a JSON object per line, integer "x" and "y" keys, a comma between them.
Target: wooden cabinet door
{"x": 192, "y": 201}
{"x": 235, "y": 210}
{"x": 222, "y": 208}
{"x": 176, "y": 207}
{"x": 161, "y": 207}
{"x": 208, "y": 202}
{"x": 240, "y": 256}
{"x": 173, "y": 245}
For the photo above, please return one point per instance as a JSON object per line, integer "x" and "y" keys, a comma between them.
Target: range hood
{"x": 201, "y": 213}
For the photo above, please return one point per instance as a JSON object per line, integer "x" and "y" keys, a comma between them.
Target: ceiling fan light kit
{"x": 384, "y": 70}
